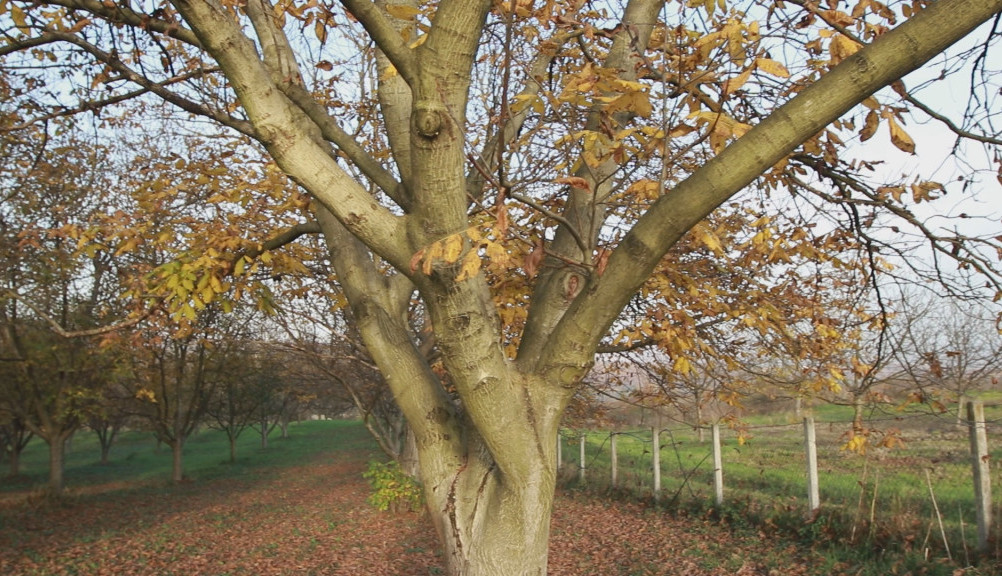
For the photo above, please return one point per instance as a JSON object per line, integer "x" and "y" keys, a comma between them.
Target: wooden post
{"x": 560, "y": 454}
{"x": 656, "y": 457}
{"x": 811, "y": 451}
{"x": 980, "y": 466}
{"x": 718, "y": 467}
{"x": 615, "y": 459}
{"x": 582, "y": 469}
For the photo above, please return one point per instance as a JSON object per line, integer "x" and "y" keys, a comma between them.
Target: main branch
{"x": 890, "y": 57}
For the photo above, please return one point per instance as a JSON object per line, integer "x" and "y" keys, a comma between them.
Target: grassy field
{"x": 299, "y": 507}
{"x": 138, "y": 461}
{"x": 877, "y": 501}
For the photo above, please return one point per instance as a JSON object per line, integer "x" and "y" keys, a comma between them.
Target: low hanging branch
{"x": 58, "y": 329}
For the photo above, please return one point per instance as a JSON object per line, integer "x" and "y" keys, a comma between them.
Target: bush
{"x": 393, "y": 489}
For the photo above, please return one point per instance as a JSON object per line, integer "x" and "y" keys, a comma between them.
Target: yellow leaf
{"x": 899, "y": 137}
{"x": 732, "y": 85}
{"x": 17, "y": 15}
{"x": 389, "y": 72}
{"x": 402, "y": 11}
{"x": 772, "y": 67}
{"x": 894, "y": 191}
{"x": 635, "y": 102}
{"x": 923, "y": 191}
{"x": 682, "y": 365}
{"x": 870, "y": 126}
{"x": 711, "y": 241}
{"x": 470, "y": 267}
{"x": 452, "y": 247}
{"x": 498, "y": 255}
{"x": 647, "y": 189}
{"x": 871, "y": 103}
{"x": 320, "y": 29}
{"x": 856, "y": 444}
{"x": 238, "y": 268}
{"x": 842, "y": 47}
{"x": 188, "y": 312}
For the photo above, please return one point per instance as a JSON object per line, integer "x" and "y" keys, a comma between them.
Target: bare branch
{"x": 156, "y": 88}
{"x": 59, "y": 330}
{"x": 92, "y": 105}
{"x": 120, "y": 13}
{"x": 385, "y": 36}
{"x": 949, "y": 123}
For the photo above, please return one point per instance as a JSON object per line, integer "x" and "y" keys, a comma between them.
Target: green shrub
{"x": 393, "y": 489}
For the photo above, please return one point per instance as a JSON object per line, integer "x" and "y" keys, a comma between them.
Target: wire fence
{"x": 913, "y": 483}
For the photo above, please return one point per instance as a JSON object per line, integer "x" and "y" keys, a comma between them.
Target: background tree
{"x": 236, "y": 399}
{"x": 523, "y": 168}
{"x": 14, "y": 438}
{"x": 59, "y": 290}
{"x": 112, "y": 409}
{"x": 944, "y": 350}
{"x": 177, "y": 370}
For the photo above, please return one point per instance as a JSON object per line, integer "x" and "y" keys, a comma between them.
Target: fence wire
{"x": 912, "y": 479}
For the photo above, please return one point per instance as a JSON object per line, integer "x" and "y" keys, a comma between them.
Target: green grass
{"x": 872, "y": 503}
{"x": 136, "y": 459}
{"x": 764, "y": 479}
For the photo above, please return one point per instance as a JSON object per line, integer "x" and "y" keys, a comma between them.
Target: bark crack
{"x": 530, "y": 413}
{"x": 480, "y": 490}
{"x": 450, "y": 511}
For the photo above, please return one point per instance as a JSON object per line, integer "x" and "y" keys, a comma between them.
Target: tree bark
{"x": 177, "y": 460}
{"x": 57, "y": 463}
{"x": 858, "y": 406}
{"x": 490, "y": 524}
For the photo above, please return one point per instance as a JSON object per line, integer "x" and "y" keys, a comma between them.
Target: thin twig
{"x": 939, "y": 518}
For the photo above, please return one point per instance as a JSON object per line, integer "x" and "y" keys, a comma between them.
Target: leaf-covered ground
{"x": 314, "y": 519}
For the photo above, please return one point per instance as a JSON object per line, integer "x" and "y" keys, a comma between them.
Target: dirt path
{"x": 313, "y": 520}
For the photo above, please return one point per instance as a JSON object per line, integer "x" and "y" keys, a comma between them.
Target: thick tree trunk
{"x": 233, "y": 448}
{"x": 489, "y": 529}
